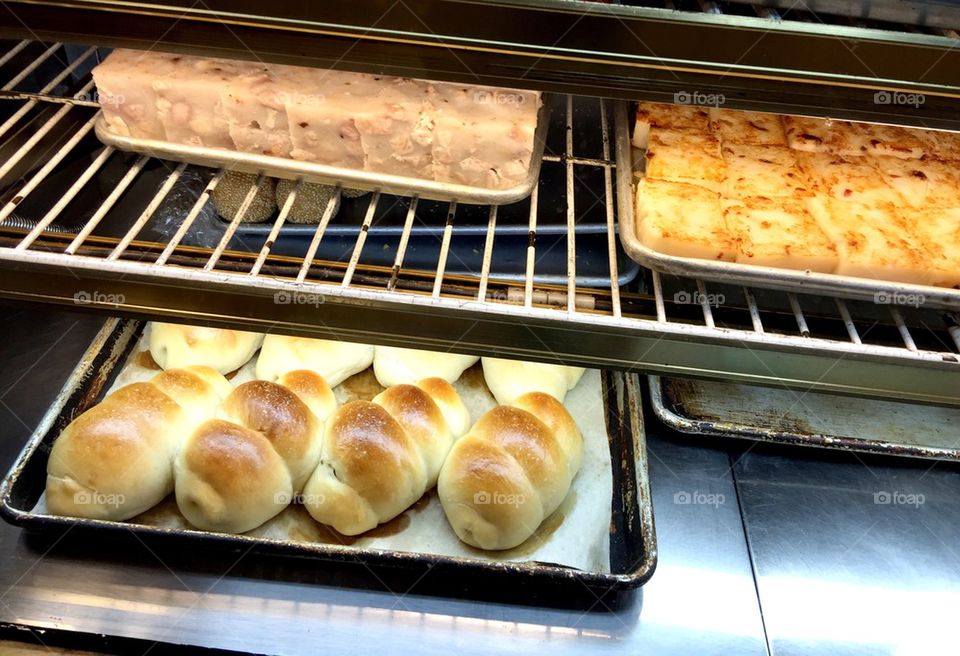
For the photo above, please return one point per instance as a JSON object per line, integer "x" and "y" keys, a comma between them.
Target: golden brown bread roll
{"x": 395, "y": 366}
{"x": 510, "y": 379}
{"x": 379, "y": 457}
{"x": 239, "y": 470}
{"x": 175, "y": 345}
{"x": 510, "y": 472}
{"x": 334, "y": 360}
{"x": 116, "y": 459}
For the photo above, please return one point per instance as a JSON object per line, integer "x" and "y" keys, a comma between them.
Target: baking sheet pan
{"x": 807, "y": 282}
{"x": 632, "y": 550}
{"x": 575, "y": 536}
{"x": 281, "y": 167}
{"x": 465, "y": 257}
{"x": 779, "y": 416}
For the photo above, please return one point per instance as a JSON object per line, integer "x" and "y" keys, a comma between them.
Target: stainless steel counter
{"x": 835, "y": 571}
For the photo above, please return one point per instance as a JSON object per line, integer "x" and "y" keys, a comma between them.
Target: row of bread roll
{"x": 175, "y": 345}
{"x": 790, "y": 193}
{"x": 236, "y": 457}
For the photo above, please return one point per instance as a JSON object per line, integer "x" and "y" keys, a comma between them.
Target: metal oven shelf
{"x": 800, "y": 59}
{"x": 109, "y": 231}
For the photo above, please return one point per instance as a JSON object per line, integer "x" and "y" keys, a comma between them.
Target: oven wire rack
{"x": 660, "y": 324}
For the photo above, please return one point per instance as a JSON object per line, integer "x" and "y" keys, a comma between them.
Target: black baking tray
{"x": 633, "y": 552}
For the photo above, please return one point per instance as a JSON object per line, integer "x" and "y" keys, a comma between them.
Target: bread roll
{"x": 175, "y": 345}
{"x": 510, "y": 472}
{"x": 230, "y": 479}
{"x": 239, "y": 470}
{"x": 509, "y": 379}
{"x": 394, "y": 366}
{"x": 114, "y": 461}
{"x": 334, "y": 360}
{"x": 379, "y": 457}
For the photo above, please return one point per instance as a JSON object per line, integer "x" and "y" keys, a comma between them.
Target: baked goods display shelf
{"x": 622, "y": 558}
{"x": 543, "y": 279}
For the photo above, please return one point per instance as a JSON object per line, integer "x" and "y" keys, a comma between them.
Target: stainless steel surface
{"x": 130, "y": 257}
{"x": 854, "y": 554}
{"x": 290, "y": 169}
{"x": 632, "y": 545}
{"x": 808, "y": 282}
{"x": 701, "y": 600}
{"x": 781, "y": 416}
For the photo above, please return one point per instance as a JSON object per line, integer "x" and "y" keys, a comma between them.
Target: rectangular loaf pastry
{"x": 466, "y": 134}
{"x": 685, "y": 157}
{"x": 779, "y": 232}
{"x": 682, "y": 219}
{"x": 855, "y": 199}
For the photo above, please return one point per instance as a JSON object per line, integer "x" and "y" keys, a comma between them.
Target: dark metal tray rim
{"x": 116, "y": 329}
{"x": 687, "y": 425}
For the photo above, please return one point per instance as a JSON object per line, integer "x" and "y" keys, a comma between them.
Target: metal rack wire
{"x": 664, "y": 324}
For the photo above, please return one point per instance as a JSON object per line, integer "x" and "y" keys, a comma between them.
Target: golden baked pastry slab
{"x": 683, "y": 219}
{"x": 779, "y": 232}
{"x": 752, "y": 128}
{"x": 681, "y": 156}
{"x": 823, "y": 161}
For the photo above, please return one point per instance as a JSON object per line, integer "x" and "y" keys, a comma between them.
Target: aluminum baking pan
{"x": 770, "y": 414}
{"x": 281, "y": 167}
{"x": 807, "y": 282}
{"x": 633, "y": 553}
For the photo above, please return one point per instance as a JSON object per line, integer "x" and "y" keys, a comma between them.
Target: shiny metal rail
{"x": 762, "y": 337}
